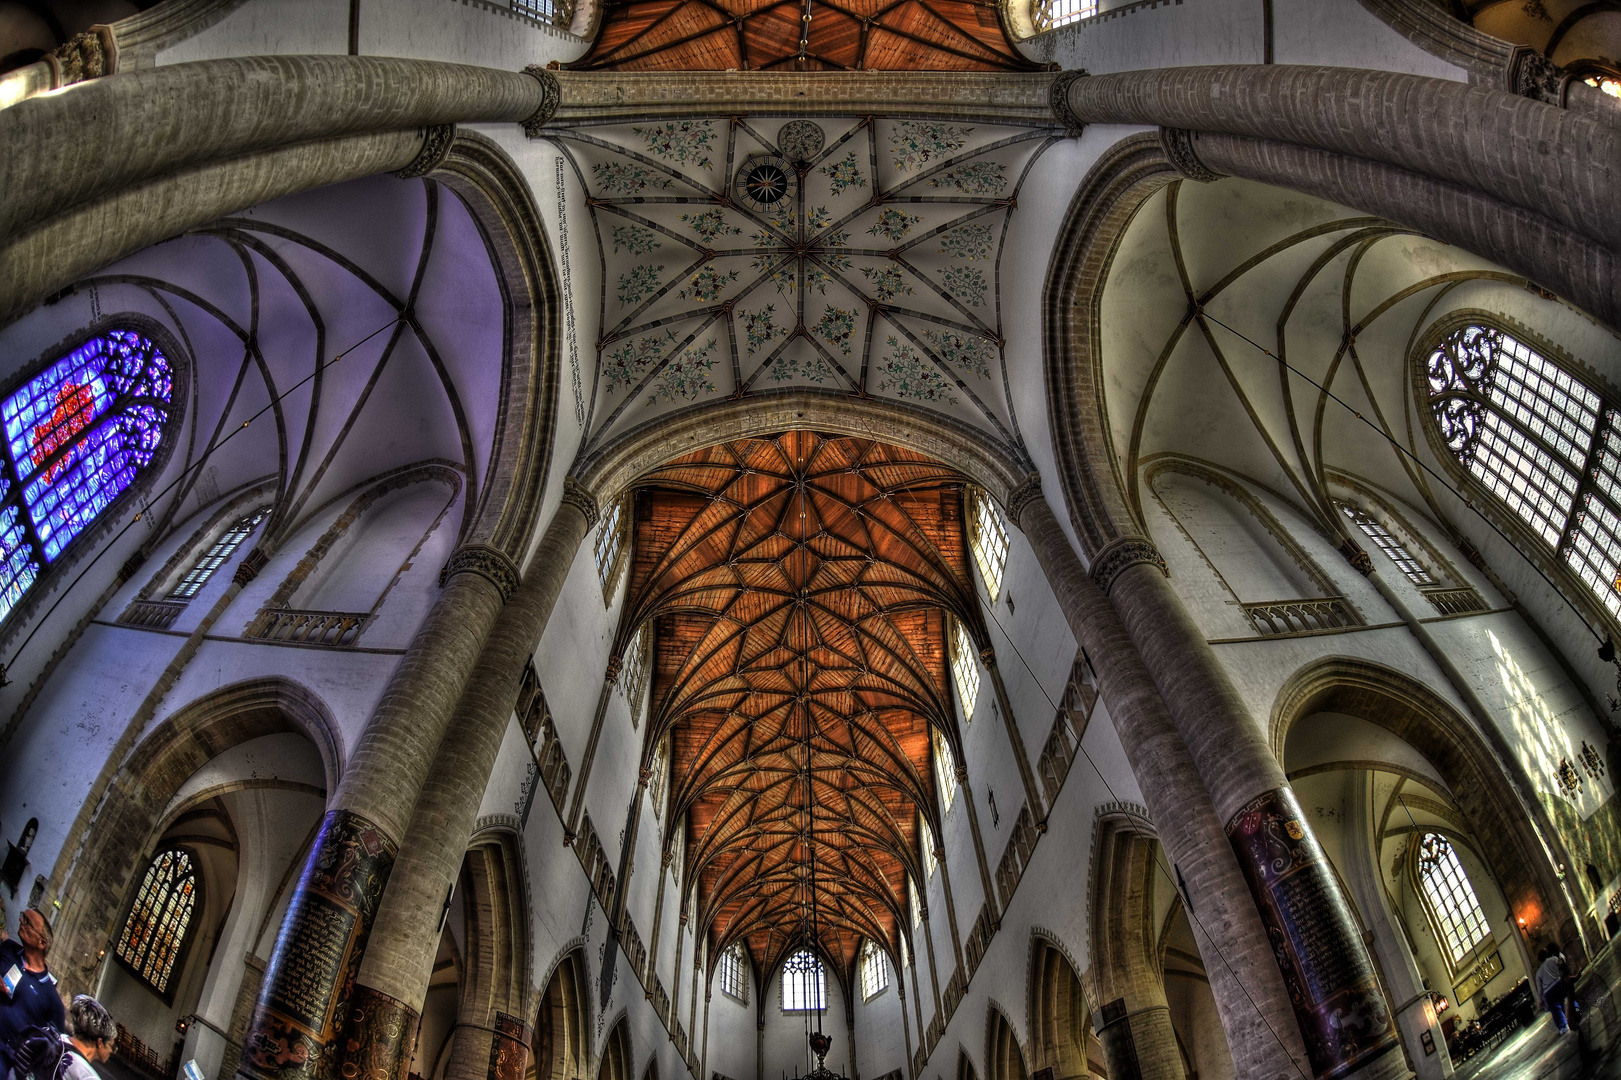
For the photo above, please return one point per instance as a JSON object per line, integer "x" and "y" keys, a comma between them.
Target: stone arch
{"x": 1060, "y": 1011}
{"x": 616, "y": 1060}
{"x": 965, "y": 1065}
{"x": 495, "y": 907}
{"x": 1491, "y": 791}
{"x": 119, "y": 834}
{"x": 1004, "y": 1057}
{"x": 563, "y": 1022}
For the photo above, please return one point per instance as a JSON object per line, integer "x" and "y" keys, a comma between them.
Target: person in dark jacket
{"x": 28, "y": 994}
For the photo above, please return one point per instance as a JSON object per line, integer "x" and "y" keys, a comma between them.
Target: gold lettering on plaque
{"x": 312, "y": 965}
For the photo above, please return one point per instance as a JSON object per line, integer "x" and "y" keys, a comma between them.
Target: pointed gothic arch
{"x": 563, "y": 1023}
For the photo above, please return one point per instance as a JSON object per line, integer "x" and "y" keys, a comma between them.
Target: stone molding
{"x": 436, "y": 143}
{"x": 1360, "y": 560}
{"x": 1058, "y": 94}
{"x": 1530, "y": 74}
{"x": 487, "y": 562}
{"x": 248, "y": 569}
{"x": 576, "y": 495}
{"x": 551, "y": 96}
{"x": 1119, "y": 554}
{"x": 1178, "y": 144}
{"x": 1027, "y": 492}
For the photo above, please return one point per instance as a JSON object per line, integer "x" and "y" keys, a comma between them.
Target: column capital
{"x": 488, "y": 563}
{"x": 1062, "y": 112}
{"x": 551, "y": 95}
{"x": 575, "y": 495}
{"x": 1178, "y": 146}
{"x": 610, "y": 675}
{"x": 248, "y": 569}
{"x": 436, "y": 143}
{"x": 89, "y": 55}
{"x": 1530, "y": 74}
{"x": 1360, "y": 560}
{"x": 1119, "y": 554}
{"x": 1027, "y": 492}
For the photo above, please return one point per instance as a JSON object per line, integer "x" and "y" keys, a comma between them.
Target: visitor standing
{"x": 1556, "y": 987}
{"x": 28, "y": 994}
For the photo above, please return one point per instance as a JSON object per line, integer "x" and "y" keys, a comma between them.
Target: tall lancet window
{"x": 804, "y": 983}
{"x": 1450, "y": 900}
{"x": 988, "y": 537}
{"x": 218, "y": 553}
{"x": 1542, "y": 440}
{"x": 155, "y": 933}
{"x": 734, "y": 979}
{"x": 77, "y": 435}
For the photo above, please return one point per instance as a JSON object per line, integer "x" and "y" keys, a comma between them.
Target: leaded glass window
{"x": 1051, "y": 14}
{"x": 874, "y": 972}
{"x": 77, "y": 435}
{"x": 1541, "y": 440}
{"x": 661, "y": 770}
{"x": 155, "y": 931}
{"x": 734, "y": 978}
{"x": 925, "y": 840}
{"x": 946, "y": 763}
{"x": 988, "y": 537}
{"x": 552, "y": 12}
{"x": 610, "y": 542}
{"x": 965, "y": 669}
{"x": 1460, "y": 924}
{"x": 804, "y": 983}
{"x": 917, "y": 905}
{"x": 1393, "y": 548}
{"x": 217, "y": 555}
{"x": 638, "y": 662}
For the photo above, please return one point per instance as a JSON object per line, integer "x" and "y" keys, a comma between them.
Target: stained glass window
{"x": 804, "y": 984}
{"x": 1051, "y": 14}
{"x": 77, "y": 435}
{"x": 965, "y": 669}
{"x": 988, "y": 537}
{"x": 217, "y": 554}
{"x": 874, "y": 972}
{"x": 734, "y": 977}
{"x": 1610, "y": 84}
{"x": 1459, "y": 923}
{"x": 1539, "y": 438}
{"x": 946, "y": 763}
{"x": 1393, "y": 548}
{"x": 157, "y": 925}
{"x": 610, "y": 540}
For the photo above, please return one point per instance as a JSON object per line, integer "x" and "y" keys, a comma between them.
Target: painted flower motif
{"x": 908, "y": 375}
{"x": 818, "y": 219}
{"x": 784, "y": 278}
{"x": 627, "y": 178}
{"x": 707, "y": 284}
{"x": 817, "y": 278}
{"x": 811, "y": 368}
{"x": 760, "y": 328}
{"x": 686, "y": 376}
{"x": 837, "y": 238}
{"x": 710, "y": 224}
{"x": 635, "y": 239}
{"x": 682, "y": 141}
{"x": 966, "y": 283}
{"x": 844, "y": 173}
{"x": 975, "y": 178}
{"x": 627, "y": 364}
{"x": 638, "y": 283}
{"x": 835, "y": 259}
{"x": 887, "y": 282}
{"x": 836, "y": 326}
{"x": 968, "y": 242}
{"x": 893, "y": 223}
{"x": 917, "y": 142}
{"x": 970, "y": 353}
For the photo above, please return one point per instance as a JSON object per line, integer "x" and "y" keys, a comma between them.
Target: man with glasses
{"x": 28, "y": 993}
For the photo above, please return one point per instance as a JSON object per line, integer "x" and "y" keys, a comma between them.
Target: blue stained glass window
{"x": 76, "y": 436}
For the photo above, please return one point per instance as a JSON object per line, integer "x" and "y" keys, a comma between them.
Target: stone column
{"x": 1254, "y": 1006}
{"x": 398, "y": 960}
{"x": 305, "y": 1000}
{"x": 1330, "y": 975}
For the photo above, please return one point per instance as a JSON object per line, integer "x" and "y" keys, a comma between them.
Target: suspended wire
{"x": 108, "y": 546}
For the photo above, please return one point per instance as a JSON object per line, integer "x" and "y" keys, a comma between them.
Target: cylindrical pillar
{"x": 304, "y": 1002}
{"x": 1255, "y": 1009}
{"x": 393, "y": 976}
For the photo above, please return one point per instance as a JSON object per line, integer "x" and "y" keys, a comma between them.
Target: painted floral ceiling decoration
{"x": 754, "y": 254}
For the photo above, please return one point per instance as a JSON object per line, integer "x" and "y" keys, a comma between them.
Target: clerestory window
{"x": 987, "y": 535}
{"x": 804, "y": 983}
{"x": 1539, "y": 438}
{"x": 946, "y": 764}
{"x": 734, "y": 976}
{"x": 1449, "y": 899}
{"x": 964, "y": 669}
{"x": 217, "y": 555}
{"x": 1051, "y": 14}
{"x": 917, "y": 906}
{"x": 874, "y": 972}
{"x": 925, "y": 840}
{"x": 78, "y": 433}
{"x": 661, "y": 772}
{"x": 611, "y": 535}
{"x": 155, "y": 933}
{"x": 1386, "y": 542}
{"x": 638, "y": 664}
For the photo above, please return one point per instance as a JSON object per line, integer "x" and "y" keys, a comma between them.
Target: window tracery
{"x": 661, "y": 772}
{"x": 925, "y": 840}
{"x": 804, "y": 983}
{"x": 874, "y": 973}
{"x": 638, "y": 663}
{"x": 988, "y": 537}
{"x": 155, "y": 933}
{"x": 964, "y": 669}
{"x": 1051, "y": 14}
{"x": 1541, "y": 440}
{"x": 217, "y": 555}
{"x": 946, "y": 763}
{"x": 917, "y": 906}
{"x": 77, "y": 435}
{"x": 609, "y": 545}
{"x": 1449, "y": 899}
{"x": 734, "y": 979}
{"x": 1388, "y": 543}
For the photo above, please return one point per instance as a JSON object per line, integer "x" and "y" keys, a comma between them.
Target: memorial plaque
{"x": 509, "y": 1049}
{"x": 1333, "y": 986}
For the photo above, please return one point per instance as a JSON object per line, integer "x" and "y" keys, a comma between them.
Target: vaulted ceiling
{"x": 799, "y": 586}
{"x": 803, "y": 35}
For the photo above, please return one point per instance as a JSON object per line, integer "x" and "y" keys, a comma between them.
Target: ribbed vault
{"x": 799, "y": 587}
